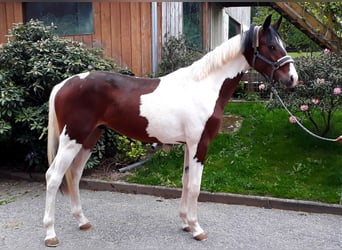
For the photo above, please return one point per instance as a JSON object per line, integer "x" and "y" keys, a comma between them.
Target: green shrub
{"x": 32, "y": 61}
{"x": 177, "y": 53}
{"x": 318, "y": 95}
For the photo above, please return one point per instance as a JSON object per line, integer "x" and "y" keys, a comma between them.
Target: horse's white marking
{"x": 83, "y": 75}
{"x": 68, "y": 149}
{"x": 77, "y": 170}
{"x": 189, "y": 94}
{"x": 280, "y": 42}
{"x": 293, "y": 73}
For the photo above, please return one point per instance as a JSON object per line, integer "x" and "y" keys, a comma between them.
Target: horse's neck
{"x": 225, "y": 61}
{"x": 225, "y": 78}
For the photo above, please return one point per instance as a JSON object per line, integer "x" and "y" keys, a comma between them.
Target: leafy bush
{"x": 177, "y": 53}
{"x": 319, "y": 94}
{"x": 31, "y": 63}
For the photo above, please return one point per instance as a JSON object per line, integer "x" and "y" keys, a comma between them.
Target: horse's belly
{"x": 165, "y": 129}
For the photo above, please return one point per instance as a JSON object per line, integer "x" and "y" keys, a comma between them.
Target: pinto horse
{"x": 185, "y": 106}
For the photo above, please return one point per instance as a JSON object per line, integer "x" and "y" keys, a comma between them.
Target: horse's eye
{"x": 271, "y": 47}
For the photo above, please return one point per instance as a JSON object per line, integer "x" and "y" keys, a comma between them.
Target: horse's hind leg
{"x": 68, "y": 149}
{"x": 76, "y": 170}
{"x": 76, "y": 173}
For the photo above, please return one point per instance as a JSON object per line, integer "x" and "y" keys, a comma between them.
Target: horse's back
{"x": 88, "y": 100}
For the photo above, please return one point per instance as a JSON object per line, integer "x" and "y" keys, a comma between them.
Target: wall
{"x": 123, "y": 29}
{"x": 240, "y": 14}
{"x": 172, "y": 19}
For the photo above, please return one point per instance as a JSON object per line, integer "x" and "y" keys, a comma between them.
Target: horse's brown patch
{"x": 108, "y": 99}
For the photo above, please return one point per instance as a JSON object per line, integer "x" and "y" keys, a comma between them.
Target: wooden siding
{"x": 122, "y": 29}
{"x": 9, "y": 13}
{"x": 172, "y": 19}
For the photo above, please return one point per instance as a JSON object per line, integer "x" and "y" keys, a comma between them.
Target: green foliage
{"x": 319, "y": 96}
{"x": 328, "y": 13}
{"x": 177, "y": 53}
{"x": 31, "y": 63}
{"x": 133, "y": 148}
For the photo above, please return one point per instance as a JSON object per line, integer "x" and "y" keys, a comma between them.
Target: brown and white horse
{"x": 185, "y": 106}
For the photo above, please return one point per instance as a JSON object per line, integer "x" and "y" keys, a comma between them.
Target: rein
{"x": 275, "y": 66}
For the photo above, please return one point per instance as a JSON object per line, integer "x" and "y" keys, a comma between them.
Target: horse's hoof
{"x": 53, "y": 242}
{"x": 187, "y": 229}
{"x": 201, "y": 237}
{"x": 85, "y": 227}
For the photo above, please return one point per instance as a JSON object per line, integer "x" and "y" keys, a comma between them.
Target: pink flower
{"x": 1, "y": 45}
{"x": 292, "y": 119}
{"x": 304, "y": 107}
{"x": 320, "y": 80}
{"x": 300, "y": 82}
{"x": 315, "y": 101}
{"x": 262, "y": 86}
{"x": 337, "y": 91}
{"x": 327, "y": 51}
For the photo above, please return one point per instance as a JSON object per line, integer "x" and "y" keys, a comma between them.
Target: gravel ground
{"x": 128, "y": 221}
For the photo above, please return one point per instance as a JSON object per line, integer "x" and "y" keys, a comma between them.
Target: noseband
{"x": 275, "y": 65}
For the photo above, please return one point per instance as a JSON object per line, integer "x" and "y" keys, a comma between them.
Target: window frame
{"x": 82, "y": 28}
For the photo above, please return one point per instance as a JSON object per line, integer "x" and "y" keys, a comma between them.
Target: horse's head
{"x": 266, "y": 53}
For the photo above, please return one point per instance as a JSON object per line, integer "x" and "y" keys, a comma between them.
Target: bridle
{"x": 275, "y": 65}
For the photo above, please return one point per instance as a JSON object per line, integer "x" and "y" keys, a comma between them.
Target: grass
{"x": 267, "y": 156}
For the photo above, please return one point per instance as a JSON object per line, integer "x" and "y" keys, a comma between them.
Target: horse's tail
{"x": 53, "y": 139}
{"x": 53, "y": 130}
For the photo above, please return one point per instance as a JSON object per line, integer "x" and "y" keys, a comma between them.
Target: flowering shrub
{"x": 31, "y": 63}
{"x": 319, "y": 93}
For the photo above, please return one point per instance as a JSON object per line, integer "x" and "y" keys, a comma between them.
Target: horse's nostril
{"x": 292, "y": 79}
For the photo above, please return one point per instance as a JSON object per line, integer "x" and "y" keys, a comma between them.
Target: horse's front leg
{"x": 193, "y": 177}
{"x": 183, "y": 209}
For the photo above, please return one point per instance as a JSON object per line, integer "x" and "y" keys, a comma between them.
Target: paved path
{"x": 127, "y": 221}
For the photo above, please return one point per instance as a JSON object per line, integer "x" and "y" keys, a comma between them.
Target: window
{"x": 234, "y": 28}
{"x": 193, "y": 23}
{"x": 71, "y": 18}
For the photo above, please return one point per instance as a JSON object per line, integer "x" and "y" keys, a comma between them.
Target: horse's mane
{"x": 221, "y": 55}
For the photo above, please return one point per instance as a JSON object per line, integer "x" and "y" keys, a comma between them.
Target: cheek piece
{"x": 275, "y": 65}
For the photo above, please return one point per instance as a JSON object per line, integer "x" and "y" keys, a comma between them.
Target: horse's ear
{"x": 267, "y": 22}
{"x": 277, "y": 24}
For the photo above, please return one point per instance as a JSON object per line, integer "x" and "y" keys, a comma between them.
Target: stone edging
{"x": 170, "y": 193}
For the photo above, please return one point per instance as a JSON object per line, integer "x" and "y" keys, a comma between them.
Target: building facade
{"x": 132, "y": 33}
